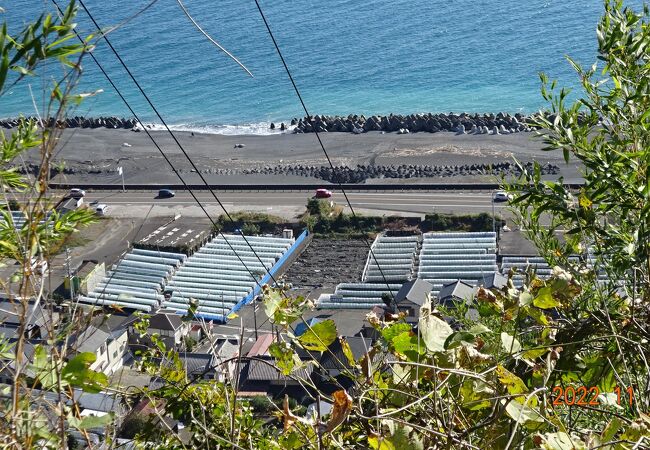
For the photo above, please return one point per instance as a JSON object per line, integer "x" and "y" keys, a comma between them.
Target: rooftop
{"x": 165, "y": 321}
{"x": 458, "y": 290}
{"x": 414, "y": 291}
{"x": 183, "y": 235}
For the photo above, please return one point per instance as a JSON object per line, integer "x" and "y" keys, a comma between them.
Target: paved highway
{"x": 395, "y": 201}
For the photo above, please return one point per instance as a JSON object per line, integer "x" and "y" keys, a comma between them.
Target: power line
{"x": 119, "y": 93}
{"x": 180, "y": 146}
{"x": 304, "y": 107}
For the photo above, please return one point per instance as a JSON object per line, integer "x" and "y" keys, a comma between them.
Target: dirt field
{"x": 326, "y": 263}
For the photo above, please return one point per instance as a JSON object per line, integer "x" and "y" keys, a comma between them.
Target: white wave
{"x": 255, "y": 129}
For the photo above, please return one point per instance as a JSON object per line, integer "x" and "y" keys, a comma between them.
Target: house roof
{"x": 457, "y": 290}
{"x": 302, "y": 327}
{"x": 90, "y": 339}
{"x": 86, "y": 268}
{"x": 414, "y": 291}
{"x": 9, "y": 314}
{"x": 334, "y": 358}
{"x": 165, "y": 321}
{"x": 101, "y": 401}
{"x": 264, "y": 369}
{"x": 226, "y": 348}
{"x": 195, "y": 363}
{"x": 261, "y": 345}
{"x": 493, "y": 280}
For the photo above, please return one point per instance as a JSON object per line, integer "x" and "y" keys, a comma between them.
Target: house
{"x": 493, "y": 280}
{"x": 68, "y": 204}
{"x": 167, "y": 325}
{"x": 457, "y": 291}
{"x": 39, "y": 320}
{"x": 8, "y": 365}
{"x": 412, "y": 295}
{"x": 109, "y": 347}
{"x": 259, "y": 374}
{"x": 86, "y": 278}
{"x": 334, "y": 362}
{"x": 223, "y": 362}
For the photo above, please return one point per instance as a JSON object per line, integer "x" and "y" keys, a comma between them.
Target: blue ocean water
{"x": 371, "y": 57}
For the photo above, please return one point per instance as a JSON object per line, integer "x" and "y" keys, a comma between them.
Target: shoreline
{"x": 461, "y": 123}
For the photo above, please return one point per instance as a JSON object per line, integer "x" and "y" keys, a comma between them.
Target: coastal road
{"x": 275, "y": 202}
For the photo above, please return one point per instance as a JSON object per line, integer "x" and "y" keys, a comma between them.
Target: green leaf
{"x": 434, "y": 332}
{"x": 347, "y": 351}
{"x": 535, "y": 353}
{"x": 545, "y": 298}
{"x": 272, "y": 301}
{"x": 376, "y": 444}
{"x": 562, "y": 441}
{"x": 459, "y": 338}
{"x": 611, "y": 429}
{"x": 285, "y": 357}
{"x": 522, "y": 414}
{"x": 393, "y": 330}
{"x": 514, "y": 385}
{"x": 609, "y": 399}
{"x": 525, "y": 299}
{"x": 407, "y": 344}
{"x": 77, "y": 373}
{"x": 403, "y": 438}
{"x": 479, "y": 328}
{"x": 510, "y": 344}
{"x": 319, "y": 336}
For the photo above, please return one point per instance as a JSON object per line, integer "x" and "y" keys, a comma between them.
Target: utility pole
{"x": 494, "y": 226}
{"x": 255, "y": 316}
{"x": 121, "y": 172}
{"x": 67, "y": 263}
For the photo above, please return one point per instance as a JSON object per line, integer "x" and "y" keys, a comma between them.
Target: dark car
{"x": 166, "y": 193}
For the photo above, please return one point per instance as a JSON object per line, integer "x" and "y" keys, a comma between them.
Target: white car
{"x": 501, "y": 196}
{"x": 101, "y": 209}
{"x": 77, "y": 193}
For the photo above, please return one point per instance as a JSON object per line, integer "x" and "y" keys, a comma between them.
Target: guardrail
{"x": 272, "y": 271}
{"x": 295, "y": 187}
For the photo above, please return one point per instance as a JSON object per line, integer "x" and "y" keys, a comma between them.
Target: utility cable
{"x": 117, "y": 55}
{"x": 204, "y": 33}
{"x": 304, "y": 107}
{"x": 182, "y": 149}
{"x": 160, "y": 150}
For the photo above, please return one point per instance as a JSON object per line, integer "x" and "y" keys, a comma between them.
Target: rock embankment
{"x": 79, "y": 122}
{"x": 361, "y": 173}
{"x": 464, "y": 123}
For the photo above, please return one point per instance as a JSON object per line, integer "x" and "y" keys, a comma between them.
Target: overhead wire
{"x": 160, "y": 150}
{"x": 182, "y": 150}
{"x": 219, "y": 46}
{"x": 327, "y": 157}
{"x": 171, "y": 133}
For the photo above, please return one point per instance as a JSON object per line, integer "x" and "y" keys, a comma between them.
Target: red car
{"x": 323, "y": 193}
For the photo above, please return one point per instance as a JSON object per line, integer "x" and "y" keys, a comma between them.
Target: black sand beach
{"x": 93, "y": 155}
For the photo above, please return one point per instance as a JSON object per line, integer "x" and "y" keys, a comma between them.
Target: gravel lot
{"x": 326, "y": 263}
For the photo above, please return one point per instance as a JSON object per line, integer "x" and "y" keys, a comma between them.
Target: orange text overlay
{"x": 584, "y": 396}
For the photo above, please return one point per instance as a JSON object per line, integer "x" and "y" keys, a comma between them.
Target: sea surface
{"x": 347, "y": 56}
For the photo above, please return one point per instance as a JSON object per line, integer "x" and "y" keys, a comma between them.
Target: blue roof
{"x": 301, "y": 328}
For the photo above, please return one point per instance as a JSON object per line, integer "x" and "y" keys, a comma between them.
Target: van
{"x": 77, "y": 193}
{"x": 166, "y": 193}
{"x": 101, "y": 209}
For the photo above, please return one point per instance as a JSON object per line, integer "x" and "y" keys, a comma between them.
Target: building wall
{"x": 89, "y": 283}
{"x": 110, "y": 355}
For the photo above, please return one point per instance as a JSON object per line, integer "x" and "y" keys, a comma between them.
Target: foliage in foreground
{"x": 558, "y": 364}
